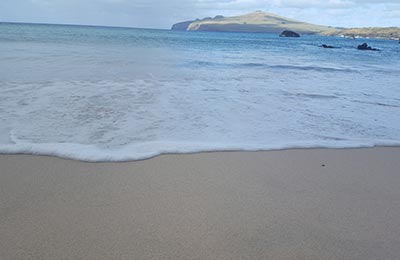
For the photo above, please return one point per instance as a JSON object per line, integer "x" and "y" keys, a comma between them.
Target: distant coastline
{"x": 261, "y": 22}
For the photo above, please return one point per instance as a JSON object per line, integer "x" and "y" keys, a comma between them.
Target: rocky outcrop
{"x": 365, "y": 47}
{"x": 289, "y": 34}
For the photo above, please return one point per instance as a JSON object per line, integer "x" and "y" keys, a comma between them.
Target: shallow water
{"x": 100, "y": 94}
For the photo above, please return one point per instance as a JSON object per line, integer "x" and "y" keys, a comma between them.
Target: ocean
{"x": 118, "y": 94}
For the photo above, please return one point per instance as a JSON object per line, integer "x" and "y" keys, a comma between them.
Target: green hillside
{"x": 253, "y": 22}
{"x": 261, "y": 22}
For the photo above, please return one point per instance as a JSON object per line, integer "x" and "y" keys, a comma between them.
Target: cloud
{"x": 163, "y": 13}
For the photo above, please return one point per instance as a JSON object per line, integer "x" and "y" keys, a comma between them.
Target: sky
{"x": 163, "y": 13}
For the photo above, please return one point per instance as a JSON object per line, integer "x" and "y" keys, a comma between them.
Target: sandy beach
{"x": 295, "y": 204}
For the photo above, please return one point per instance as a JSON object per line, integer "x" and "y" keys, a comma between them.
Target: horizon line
{"x": 87, "y": 25}
{"x": 151, "y": 28}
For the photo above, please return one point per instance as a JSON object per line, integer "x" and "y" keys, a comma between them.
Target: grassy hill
{"x": 253, "y": 22}
{"x": 261, "y": 22}
{"x": 370, "y": 32}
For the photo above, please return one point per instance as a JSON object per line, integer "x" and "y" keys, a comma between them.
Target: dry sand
{"x": 230, "y": 205}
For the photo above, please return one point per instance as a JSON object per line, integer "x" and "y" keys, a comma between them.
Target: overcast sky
{"x": 163, "y": 13}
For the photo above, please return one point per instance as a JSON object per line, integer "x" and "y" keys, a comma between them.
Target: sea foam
{"x": 91, "y": 153}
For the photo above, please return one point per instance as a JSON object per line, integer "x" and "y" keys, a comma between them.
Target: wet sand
{"x": 294, "y": 204}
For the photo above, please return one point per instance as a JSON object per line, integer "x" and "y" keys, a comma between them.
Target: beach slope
{"x": 295, "y": 204}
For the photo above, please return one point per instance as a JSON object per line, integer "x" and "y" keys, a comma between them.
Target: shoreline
{"x": 72, "y": 157}
{"x": 287, "y": 204}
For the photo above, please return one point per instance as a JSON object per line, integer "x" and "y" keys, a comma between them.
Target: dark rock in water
{"x": 365, "y": 47}
{"x": 328, "y": 46}
{"x": 289, "y": 34}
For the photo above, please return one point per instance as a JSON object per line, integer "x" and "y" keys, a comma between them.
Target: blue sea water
{"x": 116, "y": 94}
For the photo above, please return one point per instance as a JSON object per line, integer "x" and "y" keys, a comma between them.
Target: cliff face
{"x": 253, "y": 22}
{"x": 183, "y": 26}
{"x": 261, "y": 22}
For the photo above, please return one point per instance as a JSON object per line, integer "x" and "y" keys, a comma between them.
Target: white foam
{"x": 91, "y": 153}
{"x": 133, "y": 120}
